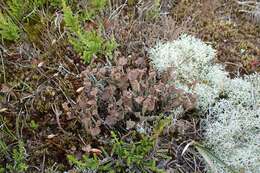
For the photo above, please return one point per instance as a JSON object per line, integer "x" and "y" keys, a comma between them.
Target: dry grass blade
{"x": 252, "y": 8}
{"x": 210, "y": 158}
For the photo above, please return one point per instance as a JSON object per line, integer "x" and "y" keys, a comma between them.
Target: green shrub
{"x": 133, "y": 154}
{"x": 8, "y": 29}
{"x": 19, "y": 9}
{"x": 16, "y": 10}
{"x": 124, "y": 157}
{"x": 18, "y": 164}
{"x": 34, "y": 125}
{"x": 86, "y": 163}
{"x": 86, "y": 43}
{"x": 4, "y": 149}
{"x": 96, "y": 6}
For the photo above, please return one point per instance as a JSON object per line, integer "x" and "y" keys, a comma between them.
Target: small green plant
{"x": 2, "y": 170}
{"x": 4, "y": 148}
{"x": 15, "y": 12}
{"x": 86, "y": 43}
{"x": 15, "y": 8}
{"x": 123, "y": 156}
{"x": 134, "y": 154}
{"x": 15, "y": 157}
{"x": 55, "y": 3}
{"x": 8, "y": 29}
{"x": 18, "y": 164}
{"x": 34, "y": 125}
{"x": 86, "y": 162}
{"x": 154, "y": 12}
{"x": 20, "y": 8}
{"x": 96, "y": 6}
{"x": 3, "y": 154}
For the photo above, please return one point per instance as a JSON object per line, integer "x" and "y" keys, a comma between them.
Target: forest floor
{"x": 44, "y": 124}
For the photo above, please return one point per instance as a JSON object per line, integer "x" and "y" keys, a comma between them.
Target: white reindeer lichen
{"x": 232, "y": 106}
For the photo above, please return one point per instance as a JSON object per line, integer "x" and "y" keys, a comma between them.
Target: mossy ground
{"x": 234, "y": 34}
{"x": 40, "y": 77}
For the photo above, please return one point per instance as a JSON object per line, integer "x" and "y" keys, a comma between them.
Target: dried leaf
{"x": 86, "y": 148}
{"x": 65, "y": 106}
{"x": 127, "y": 99}
{"x": 81, "y": 100}
{"x": 139, "y": 99}
{"x": 5, "y": 88}
{"x": 86, "y": 121}
{"x": 149, "y": 104}
{"x": 152, "y": 75}
{"x": 107, "y": 94}
{"x": 130, "y": 124}
{"x": 140, "y": 61}
{"x": 133, "y": 74}
{"x": 104, "y": 71}
{"x": 91, "y": 102}
{"x": 123, "y": 83}
{"x": 89, "y": 149}
{"x": 85, "y": 73}
{"x": 90, "y": 26}
{"x": 95, "y": 131}
{"x": 87, "y": 84}
{"x": 94, "y": 92}
{"x": 51, "y": 136}
{"x": 136, "y": 86}
{"x": 188, "y": 104}
{"x": 95, "y": 151}
{"x": 80, "y": 89}
{"x": 3, "y": 110}
{"x": 122, "y": 61}
{"x": 159, "y": 87}
{"x": 112, "y": 118}
{"x": 108, "y": 24}
{"x": 40, "y": 64}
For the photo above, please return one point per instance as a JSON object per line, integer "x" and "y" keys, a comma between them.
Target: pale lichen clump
{"x": 232, "y": 127}
{"x": 232, "y": 122}
{"x": 188, "y": 56}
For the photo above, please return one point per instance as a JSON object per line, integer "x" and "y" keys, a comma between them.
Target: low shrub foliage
{"x": 127, "y": 90}
{"x": 87, "y": 42}
{"x": 123, "y": 157}
{"x": 8, "y": 29}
